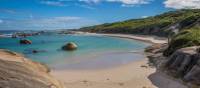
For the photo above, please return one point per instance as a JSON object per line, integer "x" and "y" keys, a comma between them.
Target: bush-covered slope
{"x": 160, "y": 25}
{"x": 186, "y": 38}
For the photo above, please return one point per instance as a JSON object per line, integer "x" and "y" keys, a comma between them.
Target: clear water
{"x": 92, "y": 50}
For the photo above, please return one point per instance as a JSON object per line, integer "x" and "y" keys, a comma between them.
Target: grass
{"x": 150, "y": 25}
{"x": 186, "y": 38}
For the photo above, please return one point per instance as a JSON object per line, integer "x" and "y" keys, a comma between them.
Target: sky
{"x": 69, "y": 14}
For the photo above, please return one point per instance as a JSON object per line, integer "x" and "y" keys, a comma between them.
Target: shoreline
{"x": 142, "y": 38}
{"x": 137, "y": 74}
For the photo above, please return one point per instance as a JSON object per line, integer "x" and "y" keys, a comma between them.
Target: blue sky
{"x": 66, "y": 14}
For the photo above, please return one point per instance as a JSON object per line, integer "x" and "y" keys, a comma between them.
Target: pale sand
{"x": 133, "y": 75}
{"x": 151, "y": 39}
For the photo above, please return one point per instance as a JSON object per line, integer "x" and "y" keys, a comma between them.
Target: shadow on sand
{"x": 161, "y": 80}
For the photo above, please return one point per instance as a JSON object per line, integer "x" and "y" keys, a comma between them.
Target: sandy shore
{"x": 127, "y": 76}
{"x": 136, "y": 74}
{"x": 149, "y": 39}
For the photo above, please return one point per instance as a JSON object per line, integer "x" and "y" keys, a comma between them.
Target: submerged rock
{"x": 70, "y": 46}
{"x": 25, "y": 41}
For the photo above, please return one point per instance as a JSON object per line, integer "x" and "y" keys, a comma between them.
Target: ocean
{"x": 94, "y": 51}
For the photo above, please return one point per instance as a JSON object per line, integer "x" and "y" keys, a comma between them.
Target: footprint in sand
{"x": 121, "y": 84}
{"x": 84, "y": 81}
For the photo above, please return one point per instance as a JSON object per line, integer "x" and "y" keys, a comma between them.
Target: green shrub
{"x": 186, "y": 38}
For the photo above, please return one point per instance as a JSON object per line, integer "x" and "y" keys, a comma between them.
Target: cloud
{"x": 144, "y": 16}
{"x": 1, "y": 21}
{"x": 66, "y": 22}
{"x": 85, "y": 6}
{"x": 182, "y": 4}
{"x": 7, "y": 11}
{"x": 126, "y": 3}
{"x": 131, "y": 2}
{"x": 53, "y": 3}
{"x": 90, "y": 1}
{"x": 84, "y": 3}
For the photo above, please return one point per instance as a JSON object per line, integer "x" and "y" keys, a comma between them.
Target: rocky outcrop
{"x": 70, "y": 46}
{"x": 184, "y": 64}
{"x": 25, "y": 41}
{"x": 155, "y": 54}
{"x": 18, "y": 72}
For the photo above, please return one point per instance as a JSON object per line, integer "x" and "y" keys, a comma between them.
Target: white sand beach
{"x": 150, "y": 39}
{"x": 133, "y": 75}
{"x": 136, "y": 74}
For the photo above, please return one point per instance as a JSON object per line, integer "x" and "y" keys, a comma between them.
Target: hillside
{"x": 160, "y": 25}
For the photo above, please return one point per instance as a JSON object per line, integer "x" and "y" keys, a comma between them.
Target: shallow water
{"x": 93, "y": 51}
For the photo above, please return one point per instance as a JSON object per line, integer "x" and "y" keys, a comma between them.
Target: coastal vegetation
{"x": 160, "y": 25}
{"x": 182, "y": 27}
{"x": 186, "y": 38}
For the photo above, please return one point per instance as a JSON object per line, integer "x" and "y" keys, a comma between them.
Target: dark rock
{"x": 185, "y": 64}
{"x": 70, "y": 46}
{"x": 25, "y": 41}
{"x": 35, "y": 51}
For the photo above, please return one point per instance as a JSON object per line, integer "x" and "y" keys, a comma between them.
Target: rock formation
{"x": 183, "y": 64}
{"x": 69, "y": 46}
{"x": 18, "y": 72}
{"x": 25, "y": 41}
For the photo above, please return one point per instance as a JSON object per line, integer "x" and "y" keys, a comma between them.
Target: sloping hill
{"x": 160, "y": 25}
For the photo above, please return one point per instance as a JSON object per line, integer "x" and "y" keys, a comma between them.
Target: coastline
{"x": 137, "y": 74}
{"x": 143, "y": 38}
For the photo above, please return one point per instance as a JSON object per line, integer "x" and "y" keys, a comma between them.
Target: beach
{"x": 137, "y": 74}
{"x": 131, "y": 75}
{"x": 100, "y": 70}
{"x": 143, "y": 38}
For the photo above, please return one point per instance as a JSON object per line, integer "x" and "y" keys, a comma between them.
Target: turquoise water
{"x": 93, "y": 48}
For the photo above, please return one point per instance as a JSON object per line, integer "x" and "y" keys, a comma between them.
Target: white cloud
{"x": 131, "y": 2}
{"x": 85, "y": 6}
{"x": 47, "y": 23}
{"x": 90, "y": 1}
{"x": 53, "y": 3}
{"x": 125, "y": 3}
{"x": 182, "y": 4}
{"x": 10, "y": 11}
{"x": 144, "y": 16}
{"x": 1, "y": 21}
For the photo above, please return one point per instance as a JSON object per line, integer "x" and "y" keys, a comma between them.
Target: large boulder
{"x": 16, "y": 71}
{"x": 70, "y": 46}
{"x": 25, "y": 41}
